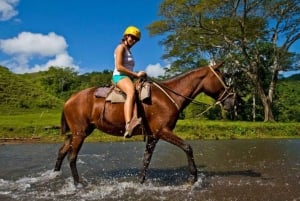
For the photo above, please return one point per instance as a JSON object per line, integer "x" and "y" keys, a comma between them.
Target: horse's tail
{"x": 64, "y": 124}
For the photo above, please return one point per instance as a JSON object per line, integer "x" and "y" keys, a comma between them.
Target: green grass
{"x": 41, "y": 124}
{"x": 199, "y": 129}
{"x": 45, "y": 125}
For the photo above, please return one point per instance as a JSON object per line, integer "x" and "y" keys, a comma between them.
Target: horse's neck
{"x": 187, "y": 85}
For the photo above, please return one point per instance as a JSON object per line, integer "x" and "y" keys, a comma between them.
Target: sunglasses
{"x": 133, "y": 37}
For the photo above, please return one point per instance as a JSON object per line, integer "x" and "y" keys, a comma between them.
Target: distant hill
{"x": 295, "y": 77}
{"x": 20, "y": 94}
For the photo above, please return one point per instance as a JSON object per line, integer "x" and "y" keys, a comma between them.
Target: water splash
{"x": 50, "y": 185}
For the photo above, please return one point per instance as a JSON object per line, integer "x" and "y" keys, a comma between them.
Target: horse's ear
{"x": 215, "y": 67}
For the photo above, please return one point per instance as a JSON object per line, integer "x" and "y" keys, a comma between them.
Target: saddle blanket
{"x": 115, "y": 95}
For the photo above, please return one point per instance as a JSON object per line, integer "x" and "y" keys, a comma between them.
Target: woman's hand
{"x": 141, "y": 74}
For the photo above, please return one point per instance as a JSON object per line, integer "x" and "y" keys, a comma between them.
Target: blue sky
{"x": 79, "y": 33}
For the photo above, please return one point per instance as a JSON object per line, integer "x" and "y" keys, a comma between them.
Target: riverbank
{"x": 45, "y": 128}
{"x": 196, "y": 129}
{"x": 18, "y": 140}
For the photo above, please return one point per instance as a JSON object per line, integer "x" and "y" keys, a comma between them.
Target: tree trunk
{"x": 268, "y": 111}
{"x": 253, "y": 108}
{"x": 267, "y": 107}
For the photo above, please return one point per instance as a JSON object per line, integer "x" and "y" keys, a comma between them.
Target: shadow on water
{"x": 245, "y": 173}
{"x": 171, "y": 176}
{"x": 168, "y": 177}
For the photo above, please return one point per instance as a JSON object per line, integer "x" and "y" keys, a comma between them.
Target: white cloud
{"x": 7, "y": 9}
{"x": 62, "y": 60}
{"x": 28, "y": 46}
{"x": 155, "y": 70}
{"x": 27, "y": 43}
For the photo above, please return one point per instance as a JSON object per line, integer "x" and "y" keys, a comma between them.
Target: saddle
{"x": 116, "y": 95}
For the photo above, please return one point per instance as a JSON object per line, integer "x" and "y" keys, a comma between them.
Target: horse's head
{"x": 228, "y": 99}
{"x": 225, "y": 95}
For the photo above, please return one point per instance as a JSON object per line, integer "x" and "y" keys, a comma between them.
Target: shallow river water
{"x": 228, "y": 170}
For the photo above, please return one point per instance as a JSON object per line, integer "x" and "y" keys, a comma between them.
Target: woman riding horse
{"x": 84, "y": 112}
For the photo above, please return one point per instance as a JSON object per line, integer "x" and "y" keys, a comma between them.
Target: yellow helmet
{"x": 132, "y": 30}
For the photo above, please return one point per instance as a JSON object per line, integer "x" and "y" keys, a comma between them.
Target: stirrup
{"x": 129, "y": 128}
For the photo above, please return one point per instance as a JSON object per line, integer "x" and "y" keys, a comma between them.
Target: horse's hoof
{"x": 80, "y": 184}
{"x": 192, "y": 180}
{"x": 142, "y": 180}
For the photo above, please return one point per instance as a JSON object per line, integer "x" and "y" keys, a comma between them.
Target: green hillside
{"x": 18, "y": 94}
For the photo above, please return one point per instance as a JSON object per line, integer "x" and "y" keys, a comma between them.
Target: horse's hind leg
{"x": 150, "y": 146}
{"x": 76, "y": 143}
{"x": 62, "y": 153}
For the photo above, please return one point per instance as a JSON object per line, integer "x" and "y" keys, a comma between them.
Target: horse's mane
{"x": 192, "y": 71}
{"x": 178, "y": 77}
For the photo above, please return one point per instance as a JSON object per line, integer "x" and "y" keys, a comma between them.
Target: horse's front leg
{"x": 150, "y": 146}
{"x": 170, "y": 137}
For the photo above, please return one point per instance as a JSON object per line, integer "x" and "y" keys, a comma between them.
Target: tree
{"x": 254, "y": 36}
{"x": 61, "y": 82}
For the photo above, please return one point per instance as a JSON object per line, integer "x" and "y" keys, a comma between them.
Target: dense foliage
{"x": 288, "y": 99}
{"x": 254, "y": 37}
{"x": 47, "y": 90}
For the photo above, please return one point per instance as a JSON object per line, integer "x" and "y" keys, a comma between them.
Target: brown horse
{"x": 83, "y": 112}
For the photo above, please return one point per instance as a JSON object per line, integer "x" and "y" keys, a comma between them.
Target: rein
{"x": 218, "y": 102}
{"x": 162, "y": 87}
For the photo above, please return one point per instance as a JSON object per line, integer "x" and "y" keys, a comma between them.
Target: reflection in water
{"x": 228, "y": 170}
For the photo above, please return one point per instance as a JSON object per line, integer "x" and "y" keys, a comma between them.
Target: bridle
{"x": 227, "y": 92}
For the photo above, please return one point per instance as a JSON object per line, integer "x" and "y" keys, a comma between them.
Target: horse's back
{"x": 80, "y": 96}
{"x": 79, "y": 106}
